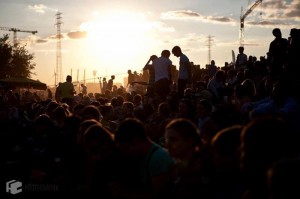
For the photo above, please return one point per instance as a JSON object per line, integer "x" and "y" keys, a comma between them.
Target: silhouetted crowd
{"x": 215, "y": 132}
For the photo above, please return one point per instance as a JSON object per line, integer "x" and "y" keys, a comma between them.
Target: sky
{"x": 107, "y": 38}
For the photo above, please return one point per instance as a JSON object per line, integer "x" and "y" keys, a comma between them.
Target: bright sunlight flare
{"x": 116, "y": 35}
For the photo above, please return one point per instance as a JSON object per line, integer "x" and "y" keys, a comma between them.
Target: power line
{"x": 209, "y": 45}
{"x": 58, "y": 72}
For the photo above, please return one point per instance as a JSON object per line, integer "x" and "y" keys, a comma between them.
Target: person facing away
{"x": 110, "y": 83}
{"x": 104, "y": 85}
{"x": 131, "y": 77}
{"x": 184, "y": 76}
{"x": 150, "y": 68}
{"x": 49, "y": 94}
{"x": 84, "y": 89}
{"x": 67, "y": 91}
{"x": 191, "y": 173}
{"x": 152, "y": 163}
{"x": 212, "y": 69}
{"x": 163, "y": 75}
{"x": 241, "y": 59}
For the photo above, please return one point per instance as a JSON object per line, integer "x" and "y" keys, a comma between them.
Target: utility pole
{"x": 209, "y": 45}
{"x": 59, "y": 74}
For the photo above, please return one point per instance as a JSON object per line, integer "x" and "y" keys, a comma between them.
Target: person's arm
{"x": 148, "y": 62}
{"x": 146, "y": 67}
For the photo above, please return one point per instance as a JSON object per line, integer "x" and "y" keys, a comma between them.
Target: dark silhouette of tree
{"x": 15, "y": 61}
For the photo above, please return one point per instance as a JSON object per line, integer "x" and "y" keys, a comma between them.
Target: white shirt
{"x": 183, "y": 72}
{"x": 161, "y": 68}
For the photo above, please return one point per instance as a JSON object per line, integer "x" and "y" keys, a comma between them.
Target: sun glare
{"x": 116, "y": 34}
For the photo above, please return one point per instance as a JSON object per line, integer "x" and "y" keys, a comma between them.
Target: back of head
{"x": 91, "y": 112}
{"x": 97, "y": 132}
{"x": 186, "y": 129}
{"x": 69, "y": 78}
{"x": 130, "y": 130}
{"x": 176, "y": 50}
{"x": 165, "y": 53}
{"x": 241, "y": 49}
{"x": 266, "y": 140}
{"x": 227, "y": 141}
{"x": 282, "y": 177}
{"x": 276, "y": 32}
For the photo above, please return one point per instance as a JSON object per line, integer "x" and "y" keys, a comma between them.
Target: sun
{"x": 116, "y": 34}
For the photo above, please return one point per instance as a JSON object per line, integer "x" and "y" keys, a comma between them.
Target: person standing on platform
{"x": 185, "y": 70}
{"x": 150, "y": 68}
{"x": 67, "y": 91}
{"x": 163, "y": 76}
{"x": 84, "y": 89}
{"x": 241, "y": 59}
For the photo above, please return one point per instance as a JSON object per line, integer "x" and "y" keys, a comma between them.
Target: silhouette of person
{"x": 241, "y": 59}
{"x": 104, "y": 85}
{"x": 110, "y": 83}
{"x": 150, "y": 68}
{"x": 67, "y": 91}
{"x": 184, "y": 76}
{"x": 84, "y": 89}
{"x": 163, "y": 76}
{"x": 277, "y": 54}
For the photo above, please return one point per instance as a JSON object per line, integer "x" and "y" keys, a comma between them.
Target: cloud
{"x": 77, "y": 34}
{"x": 41, "y": 8}
{"x": 161, "y": 27}
{"x": 63, "y": 36}
{"x": 190, "y": 15}
{"x": 281, "y": 10}
{"x": 191, "y": 39}
{"x": 41, "y": 41}
{"x": 54, "y": 37}
{"x": 271, "y": 24}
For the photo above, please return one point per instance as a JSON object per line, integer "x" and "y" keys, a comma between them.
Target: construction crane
{"x": 15, "y": 30}
{"x": 242, "y": 20}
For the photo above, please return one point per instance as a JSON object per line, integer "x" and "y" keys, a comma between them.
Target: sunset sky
{"x": 112, "y": 36}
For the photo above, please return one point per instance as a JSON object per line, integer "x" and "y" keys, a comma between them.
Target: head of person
{"x": 264, "y": 141}
{"x": 276, "y": 32}
{"x": 212, "y": 62}
{"x": 91, "y": 112}
{"x": 241, "y": 49}
{"x": 129, "y": 72}
{"x": 98, "y": 142}
{"x": 204, "y": 108}
{"x": 176, "y": 51}
{"x": 112, "y": 77}
{"x": 293, "y": 32}
{"x": 182, "y": 138}
{"x": 165, "y": 53}
{"x": 225, "y": 145}
{"x": 282, "y": 177}
{"x": 130, "y": 137}
{"x": 153, "y": 57}
{"x": 69, "y": 78}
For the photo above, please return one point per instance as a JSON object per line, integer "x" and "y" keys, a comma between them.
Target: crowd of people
{"x": 216, "y": 132}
